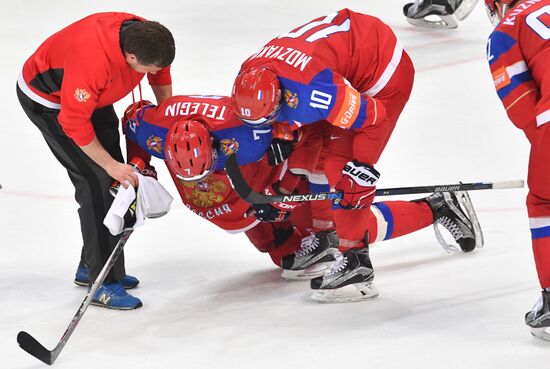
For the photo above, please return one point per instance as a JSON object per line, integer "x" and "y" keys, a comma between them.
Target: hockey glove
{"x": 283, "y": 143}
{"x": 149, "y": 171}
{"x": 276, "y": 211}
{"x": 358, "y": 185}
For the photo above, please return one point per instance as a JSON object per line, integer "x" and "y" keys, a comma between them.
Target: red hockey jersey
{"x": 518, "y": 52}
{"x": 82, "y": 68}
{"x": 331, "y": 68}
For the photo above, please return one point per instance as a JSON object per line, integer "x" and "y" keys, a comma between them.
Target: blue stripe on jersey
{"x": 362, "y": 116}
{"x": 148, "y": 136}
{"x": 499, "y": 43}
{"x": 386, "y": 212}
{"x": 308, "y": 103}
{"x": 516, "y": 80}
{"x": 250, "y": 144}
{"x": 316, "y": 187}
{"x": 537, "y": 233}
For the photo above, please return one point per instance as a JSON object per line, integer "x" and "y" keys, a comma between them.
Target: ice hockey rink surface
{"x": 210, "y": 299}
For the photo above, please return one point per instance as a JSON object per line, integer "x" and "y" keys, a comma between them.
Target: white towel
{"x": 152, "y": 201}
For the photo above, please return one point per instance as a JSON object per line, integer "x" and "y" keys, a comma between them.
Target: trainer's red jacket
{"x": 82, "y": 68}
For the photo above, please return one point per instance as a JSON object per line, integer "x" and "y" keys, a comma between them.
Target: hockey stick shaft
{"x": 244, "y": 190}
{"x": 33, "y": 347}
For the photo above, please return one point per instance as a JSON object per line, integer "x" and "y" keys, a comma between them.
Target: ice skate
{"x": 538, "y": 319}
{"x": 317, "y": 253}
{"x": 350, "y": 279}
{"x": 455, "y": 212}
{"x": 441, "y": 14}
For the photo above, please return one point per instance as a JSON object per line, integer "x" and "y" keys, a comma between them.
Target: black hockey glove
{"x": 279, "y": 151}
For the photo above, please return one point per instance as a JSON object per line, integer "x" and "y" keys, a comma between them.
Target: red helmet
{"x": 189, "y": 151}
{"x": 133, "y": 109}
{"x": 256, "y": 97}
{"x": 492, "y": 10}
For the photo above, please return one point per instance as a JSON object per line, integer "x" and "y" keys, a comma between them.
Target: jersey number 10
{"x": 326, "y": 29}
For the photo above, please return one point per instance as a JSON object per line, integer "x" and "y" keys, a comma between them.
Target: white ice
{"x": 210, "y": 299}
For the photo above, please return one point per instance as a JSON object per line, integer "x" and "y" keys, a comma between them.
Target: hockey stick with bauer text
{"x": 249, "y": 195}
{"x": 35, "y": 348}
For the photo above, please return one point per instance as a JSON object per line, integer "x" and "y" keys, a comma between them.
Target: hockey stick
{"x": 249, "y": 195}
{"x": 35, "y": 348}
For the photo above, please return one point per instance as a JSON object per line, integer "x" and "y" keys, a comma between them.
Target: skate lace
{"x": 452, "y": 227}
{"x": 308, "y": 244}
{"x": 339, "y": 264}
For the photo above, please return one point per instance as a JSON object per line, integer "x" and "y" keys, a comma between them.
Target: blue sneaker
{"x": 114, "y": 296}
{"x": 81, "y": 279}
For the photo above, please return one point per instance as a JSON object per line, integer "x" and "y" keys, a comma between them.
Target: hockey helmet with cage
{"x": 189, "y": 151}
{"x": 256, "y": 97}
{"x": 492, "y": 10}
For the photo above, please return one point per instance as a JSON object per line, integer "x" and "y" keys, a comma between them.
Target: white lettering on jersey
{"x": 291, "y": 56}
{"x": 212, "y": 213}
{"x": 520, "y": 8}
{"x": 188, "y": 108}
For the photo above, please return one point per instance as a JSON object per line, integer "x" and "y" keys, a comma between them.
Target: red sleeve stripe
{"x": 388, "y": 72}
{"x": 33, "y": 96}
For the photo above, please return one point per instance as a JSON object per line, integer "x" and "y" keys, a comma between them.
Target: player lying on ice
{"x": 347, "y": 69}
{"x": 196, "y": 134}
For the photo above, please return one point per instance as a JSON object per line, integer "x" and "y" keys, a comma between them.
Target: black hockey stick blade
{"x": 35, "y": 348}
{"x": 244, "y": 190}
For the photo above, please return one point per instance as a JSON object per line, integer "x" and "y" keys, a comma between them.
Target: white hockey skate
{"x": 442, "y": 14}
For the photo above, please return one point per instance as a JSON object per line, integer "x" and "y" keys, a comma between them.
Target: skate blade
{"x": 465, "y": 9}
{"x": 542, "y": 333}
{"x": 349, "y": 293}
{"x": 464, "y": 199}
{"x": 440, "y": 22}
{"x": 314, "y": 271}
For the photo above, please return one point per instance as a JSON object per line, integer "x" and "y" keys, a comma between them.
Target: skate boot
{"x": 81, "y": 279}
{"x": 114, "y": 296}
{"x": 463, "y": 225}
{"x": 350, "y": 279}
{"x": 438, "y": 13}
{"x": 538, "y": 319}
{"x": 317, "y": 253}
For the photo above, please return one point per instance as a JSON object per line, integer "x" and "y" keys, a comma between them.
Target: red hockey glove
{"x": 276, "y": 211}
{"x": 358, "y": 185}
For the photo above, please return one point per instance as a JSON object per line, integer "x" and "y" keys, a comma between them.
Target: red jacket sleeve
{"x": 82, "y": 84}
{"x": 161, "y": 78}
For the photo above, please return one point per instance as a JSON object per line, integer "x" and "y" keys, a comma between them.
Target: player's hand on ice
{"x": 283, "y": 143}
{"x": 358, "y": 185}
{"x": 276, "y": 211}
{"x": 123, "y": 173}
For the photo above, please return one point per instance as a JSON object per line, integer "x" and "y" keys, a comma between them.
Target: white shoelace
{"x": 453, "y": 228}
{"x": 339, "y": 264}
{"x": 307, "y": 245}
